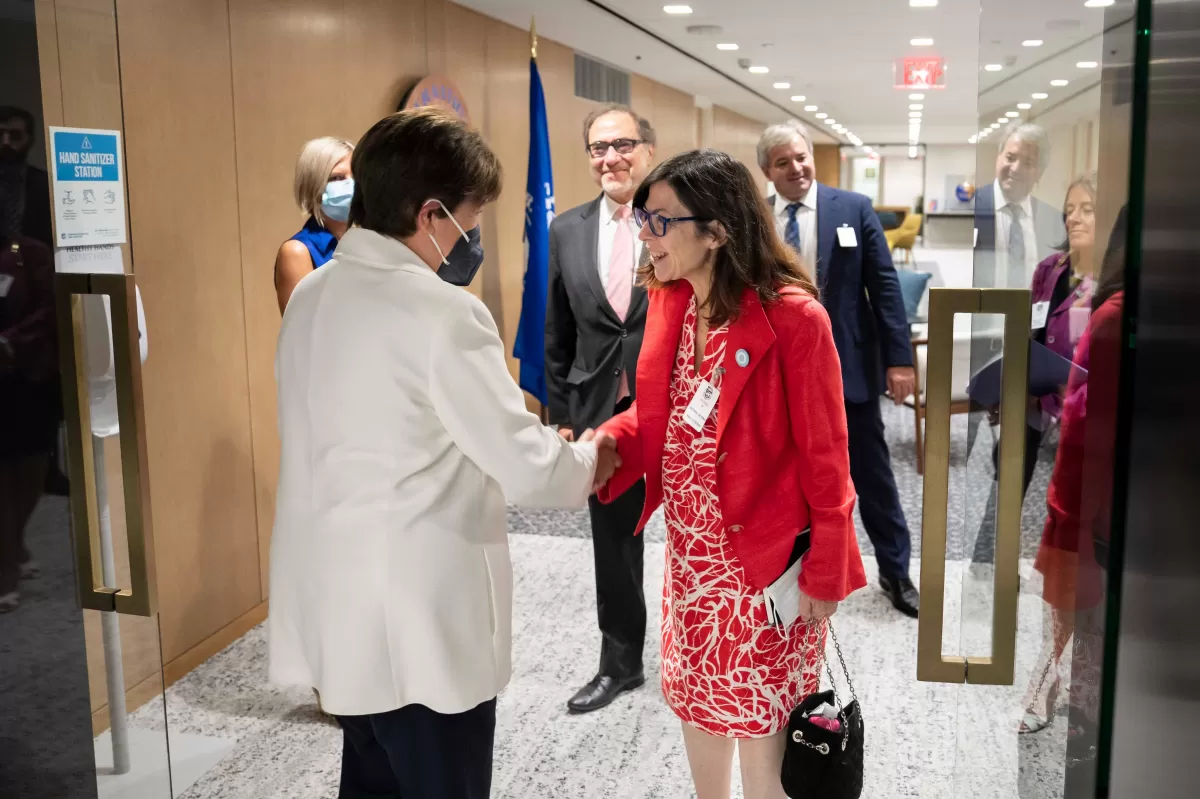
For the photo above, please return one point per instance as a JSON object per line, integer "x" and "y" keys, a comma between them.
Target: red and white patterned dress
{"x": 725, "y": 669}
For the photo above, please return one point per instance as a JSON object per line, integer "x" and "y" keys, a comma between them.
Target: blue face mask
{"x": 462, "y": 264}
{"x": 335, "y": 202}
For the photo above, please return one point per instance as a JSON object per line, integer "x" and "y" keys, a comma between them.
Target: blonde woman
{"x": 323, "y": 189}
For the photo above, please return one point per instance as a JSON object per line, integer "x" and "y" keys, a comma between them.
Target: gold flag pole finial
{"x": 533, "y": 37}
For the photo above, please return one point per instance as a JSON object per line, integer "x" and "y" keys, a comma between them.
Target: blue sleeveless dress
{"x": 319, "y": 241}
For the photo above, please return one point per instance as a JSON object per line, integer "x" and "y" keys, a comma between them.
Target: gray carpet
{"x": 924, "y": 740}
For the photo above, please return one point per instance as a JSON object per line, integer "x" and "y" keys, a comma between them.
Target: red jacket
{"x": 782, "y": 462}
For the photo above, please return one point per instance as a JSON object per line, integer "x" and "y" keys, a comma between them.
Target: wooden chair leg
{"x": 919, "y": 415}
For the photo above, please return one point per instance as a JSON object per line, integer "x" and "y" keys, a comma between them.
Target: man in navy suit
{"x": 839, "y": 233}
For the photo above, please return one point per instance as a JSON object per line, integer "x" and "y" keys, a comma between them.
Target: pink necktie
{"x": 620, "y": 278}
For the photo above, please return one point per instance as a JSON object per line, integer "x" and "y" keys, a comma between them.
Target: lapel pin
{"x": 743, "y": 358}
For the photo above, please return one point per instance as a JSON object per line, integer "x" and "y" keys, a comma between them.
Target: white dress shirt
{"x": 1004, "y": 219}
{"x": 402, "y": 434}
{"x": 806, "y": 218}
{"x": 608, "y": 232}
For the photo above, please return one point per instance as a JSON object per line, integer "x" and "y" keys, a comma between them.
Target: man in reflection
{"x": 24, "y": 189}
{"x": 1015, "y": 230}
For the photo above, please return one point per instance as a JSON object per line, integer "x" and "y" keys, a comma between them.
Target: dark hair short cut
{"x": 718, "y": 188}
{"x": 11, "y": 112}
{"x": 410, "y": 158}
{"x": 645, "y": 129}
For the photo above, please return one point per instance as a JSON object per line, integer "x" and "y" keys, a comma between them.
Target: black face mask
{"x": 464, "y": 260}
{"x": 13, "y": 155}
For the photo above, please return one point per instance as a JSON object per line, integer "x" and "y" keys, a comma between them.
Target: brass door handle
{"x": 1014, "y": 305}
{"x": 140, "y": 598}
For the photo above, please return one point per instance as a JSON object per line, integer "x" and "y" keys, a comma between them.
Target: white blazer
{"x": 403, "y": 434}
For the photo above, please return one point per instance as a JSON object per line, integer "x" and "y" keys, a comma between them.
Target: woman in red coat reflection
{"x": 740, "y": 431}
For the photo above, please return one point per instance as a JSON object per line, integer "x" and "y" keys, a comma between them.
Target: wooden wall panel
{"x": 829, "y": 164}
{"x": 738, "y": 136}
{"x": 183, "y": 199}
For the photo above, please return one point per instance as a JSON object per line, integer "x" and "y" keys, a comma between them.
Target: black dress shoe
{"x": 601, "y": 692}
{"x": 903, "y": 594}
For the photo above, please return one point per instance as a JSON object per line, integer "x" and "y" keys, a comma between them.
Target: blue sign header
{"x": 85, "y": 156}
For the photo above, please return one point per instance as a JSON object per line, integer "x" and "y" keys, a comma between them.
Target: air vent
{"x": 600, "y": 82}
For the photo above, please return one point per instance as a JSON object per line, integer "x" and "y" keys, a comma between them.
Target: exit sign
{"x": 920, "y": 73}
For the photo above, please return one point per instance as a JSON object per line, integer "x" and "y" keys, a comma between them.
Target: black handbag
{"x": 820, "y": 763}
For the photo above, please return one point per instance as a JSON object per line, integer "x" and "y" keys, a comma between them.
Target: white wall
{"x": 947, "y": 159}
{"x": 1074, "y": 129}
{"x": 903, "y": 180}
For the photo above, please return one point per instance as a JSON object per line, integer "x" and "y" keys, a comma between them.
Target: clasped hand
{"x": 607, "y": 459}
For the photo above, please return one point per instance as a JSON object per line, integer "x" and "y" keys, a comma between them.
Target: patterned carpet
{"x": 924, "y": 739}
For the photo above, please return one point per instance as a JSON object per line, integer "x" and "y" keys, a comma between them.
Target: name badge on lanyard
{"x": 701, "y": 406}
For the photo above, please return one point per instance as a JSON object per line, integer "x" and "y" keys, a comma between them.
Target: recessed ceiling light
{"x": 830, "y": 122}
{"x": 810, "y": 107}
{"x": 1012, "y": 114}
{"x": 1059, "y": 82}
{"x": 921, "y": 42}
{"x": 1032, "y": 43}
{"x": 993, "y": 67}
{"x": 677, "y": 9}
{"x": 783, "y": 85}
{"x": 759, "y": 70}
{"x": 922, "y": 3}
{"x": 914, "y": 114}
{"x": 1086, "y": 64}
{"x": 916, "y": 107}
{"x": 727, "y": 46}
{"x": 822, "y": 115}
{"x": 798, "y": 98}
{"x": 1024, "y": 106}
{"x": 1039, "y": 95}
{"x": 973, "y": 140}
{"x": 1098, "y": 3}
{"x": 1002, "y": 121}
{"x": 916, "y": 96}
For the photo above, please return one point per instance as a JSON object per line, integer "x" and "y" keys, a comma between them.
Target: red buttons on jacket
{"x": 721, "y": 457}
{"x": 736, "y": 528}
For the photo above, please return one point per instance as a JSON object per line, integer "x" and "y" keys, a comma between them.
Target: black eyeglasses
{"x": 657, "y": 222}
{"x": 599, "y": 149}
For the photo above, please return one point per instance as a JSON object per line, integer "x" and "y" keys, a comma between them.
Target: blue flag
{"x": 530, "y": 348}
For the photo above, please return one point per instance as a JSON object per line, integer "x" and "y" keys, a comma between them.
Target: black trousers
{"x": 878, "y": 499}
{"x": 620, "y": 600}
{"x": 985, "y": 540}
{"x": 416, "y": 753}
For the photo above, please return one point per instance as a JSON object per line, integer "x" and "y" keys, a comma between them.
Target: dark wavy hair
{"x": 718, "y": 188}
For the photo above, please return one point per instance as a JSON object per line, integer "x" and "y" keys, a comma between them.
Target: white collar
{"x": 377, "y": 249}
{"x": 1003, "y": 202}
{"x": 809, "y": 200}
{"x": 609, "y": 209}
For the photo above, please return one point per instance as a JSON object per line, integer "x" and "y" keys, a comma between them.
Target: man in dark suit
{"x": 839, "y": 232}
{"x": 594, "y": 320}
{"x": 1014, "y": 229}
{"x": 24, "y": 189}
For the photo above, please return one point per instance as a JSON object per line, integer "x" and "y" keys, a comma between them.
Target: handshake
{"x": 607, "y": 459}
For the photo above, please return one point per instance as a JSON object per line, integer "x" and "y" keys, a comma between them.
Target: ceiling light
{"x": 1086, "y": 64}
{"x": 759, "y": 70}
{"x": 808, "y": 107}
{"x": 916, "y": 97}
{"x": 830, "y": 122}
{"x": 677, "y": 9}
{"x": 728, "y": 46}
{"x": 921, "y": 42}
{"x": 914, "y": 114}
{"x": 822, "y": 115}
{"x": 1059, "y": 82}
{"x": 922, "y": 3}
{"x": 1024, "y": 106}
{"x": 798, "y": 98}
{"x": 993, "y": 67}
{"x": 782, "y": 85}
{"x": 1002, "y": 121}
{"x": 1039, "y": 95}
{"x": 973, "y": 140}
{"x": 916, "y": 107}
{"x": 1012, "y": 114}
{"x": 1098, "y": 3}
{"x": 1032, "y": 43}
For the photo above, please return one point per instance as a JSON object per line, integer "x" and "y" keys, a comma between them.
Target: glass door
{"x": 81, "y": 669}
{"x": 1021, "y": 411}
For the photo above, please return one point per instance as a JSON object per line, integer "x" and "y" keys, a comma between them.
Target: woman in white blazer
{"x": 403, "y": 435}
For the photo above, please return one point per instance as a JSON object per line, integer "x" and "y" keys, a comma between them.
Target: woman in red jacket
{"x": 740, "y": 431}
